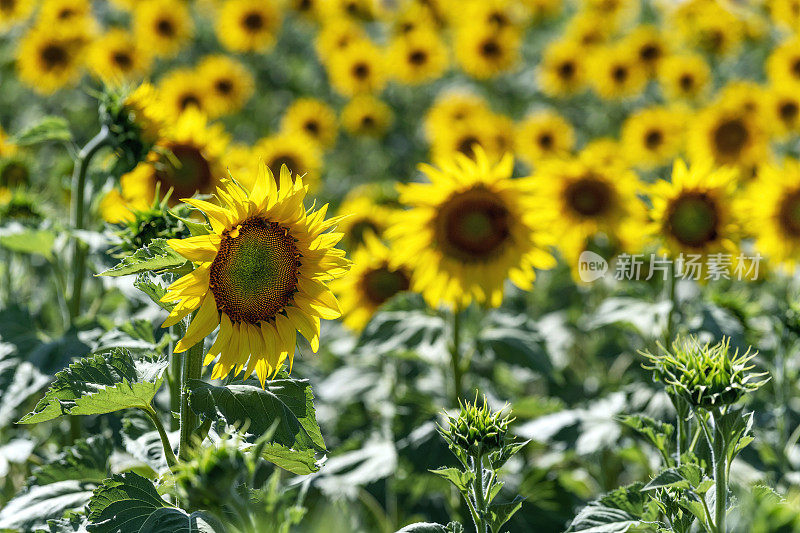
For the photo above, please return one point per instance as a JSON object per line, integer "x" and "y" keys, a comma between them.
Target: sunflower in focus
{"x": 15, "y": 11}
{"x": 693, "y": 214}
{"x": 654, "y": 136}
{"x": 373, "y": 279}
{"x": 163, "y": 27}
{"x": 615, "y": 72}
{"x": 771, "y": 204}
{"x": 180, "y": 90}
{"x": 418, "y": 56}
{"x": 783, "y": 108}
{"x": 296, "y": 151}
{"x": 467, "y": 231}
{"x": 229, "y": 84}
{"x": 48, "y": 61}
{"x": 364, "y": 215}
{"x": 783, "y": 64}
{"x": 259, "y": 276}
{"x": 367, "y": 116}
{"x": 543, "y": 135}
{"x": 116, "y": 58}
{"x": 484, "y": 52}
{"x": 684, "y": 77}
{"x": 248, "y": 25}
{"x": 728, "y": 136}
{"x": 562, "y": 71}
{"x": 313, "y": 118}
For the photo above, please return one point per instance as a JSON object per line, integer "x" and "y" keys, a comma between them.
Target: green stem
{"x": 192, "y": 369}
{"x": 669, "y": 332}
{"x": 720, "y": 476}
{"x": 175, "y": 370}
{"x": 455, "y": 357}
{"x": 480, "y": 500}
{"x": 168, "y": 453}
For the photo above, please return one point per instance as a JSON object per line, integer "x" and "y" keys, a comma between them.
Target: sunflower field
{"x": 399, "y": 266}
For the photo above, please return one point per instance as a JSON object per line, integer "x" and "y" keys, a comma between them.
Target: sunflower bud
{"x": 21, "y": 207}
{"x": 477, "y": 430}
{"x": 154, "y": 222}
{"x": 205, "y": 480}
{"x": 707, "y": 376}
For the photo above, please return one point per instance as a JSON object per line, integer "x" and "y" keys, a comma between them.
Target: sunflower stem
{"x": 169, "y": 455}
{"x": 175, "y": 371}
{"x": 720, "y": 474}
{"x": 192, "y": 369}
{"x": 455, "y": 357}
{"x": 669, "y": 331}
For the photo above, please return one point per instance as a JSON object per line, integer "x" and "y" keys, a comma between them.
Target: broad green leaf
{"x": 500, "y": 513}
{"x": 130, "y": 503}
{"x": 157, "y": 256}
{"x": 34, "y": 506}
{"x": 85, "y": 461}
{"x": 30, "y": 241}
{"x": 423, "y": 527}
{"x": 517, "y": 347}
{"x": 101, "y": 383}
{"x": 49, "y": 128}
{"x": 461, "y": 479}
{"x": 300, "y": 462}
{"x": 616, "y": 512}
{"x": 290, "y": 402}
{"x": 657, "y": 433}
{"x": 669, "y": 478}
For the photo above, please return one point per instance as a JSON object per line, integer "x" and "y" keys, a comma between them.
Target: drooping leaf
{"x": 157, "y": 256}
{"x": 516, "y": 347}
{"x": 30, "y": 241}
{"x": 300, "y": 462}
{"x": 101, "y": 383}
{"x": 49, "y": 128}
{"x": 500, "y": 513}
{"x": 34, "y": 506}
{"x": 290, "y": 402}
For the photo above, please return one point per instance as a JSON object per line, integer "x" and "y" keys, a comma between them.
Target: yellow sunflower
{"x": 48, "y": 61}
{"x": 771, "y": 205}
{"x": 358, "y": 9}
{"x": 260, "y": 276}
{"x": 588, "y": 30}
{"x": 337, "y": 35}
{"x": 313, "y": 118}
{"x": 413, "y": 16}
{"x": 540, "y": 10}
{"x": 373, "y": 279}
{"x": 366, "y": 115}
{"x": 542, "y": 135}
{"x": 418, "y": 56}
{"x": 229, "y": 84}
{"x": 464, "y": 136}
{"x": 162, "y": 27}
{"x": 116, "y": 58}
{"x": 310, "y": 9}
{"x": 708, "y": 26}
{"x": 604, "y": 151}
{"x": 783, "y": 108}
{"x": 146, "y": 112}
{"x": 483, "y": 52}
{"x": 747, "y": 96}
{"x": 300, "y": 155}
{"x": 613, "y": 12}
{"x": 615, "y": 72}
{"x": 15, "y": 11}
{"x": 65, "y": 13}
{"x": 7, "y": 147}
{"x": 248, "y": 25}
{"x": 654, "y": 136}
{"x": 357, "y": 69}
{"x": 467, "y": 231}
{"x": 364, "y": 215}
{"x": 650, "y": 46}
{"x": 684, "y": 76}
{"x": 452, "y": 108}
{"x": 785, "y": 13}
{"x": 728, "y": 136}
{"x": 493, "y": 14}
{"x": 180, "y": 90}
{"x": 693, "y": 214}
{"x": 562, "y": 71}
{"x": 783, "y": 64}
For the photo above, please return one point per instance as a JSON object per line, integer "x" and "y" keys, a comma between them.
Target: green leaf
{"x": 157, "y": 256}
{"x": 657, "y": 433}
{"x": 403, "y": 331}
{"x": 499, "y": 458}
{"x": 423, "y": 527}
{"x": 85, "y": 461}
{"x": 49, "y": 128}
{"x": 616, "y": 512}
{"x": 500, "y": 513}
{"x": 30, "y": 241}
{"x": 32, "y": 508}
{"x": 461, "y": 479}
{"x": 154, "y": 290}
{"x": 300, "y": 462}
{"x": 290, "y": 402}
{"x": 130, "y": 503}
{"x": 669, "y": 478}
{"x": 100, "y": 383}
{"x": 18, "y": 382}
{"x": 517, "y": 347}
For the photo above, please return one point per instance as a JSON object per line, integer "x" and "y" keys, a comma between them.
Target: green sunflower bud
{"x": 477, "y": 430}
{"x": 155, "y": 222}
{"x": 204, "y": 481}
{"x": 705, "y": 375}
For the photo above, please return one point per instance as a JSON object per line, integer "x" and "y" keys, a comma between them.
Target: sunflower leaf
{"x": 289, "y": 401}
{"x": 49, "y": 128}
{"x": 300, "y": 462}
{"x": 30, "y": 241}
{"x": 156, "y": 256}
{"x": 101, "y": 383}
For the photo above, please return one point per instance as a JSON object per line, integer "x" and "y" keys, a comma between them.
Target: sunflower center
{"x": 7, "y": 5}
{"x": 789, "y": 214}
{"x": 796, "y": 67}
{"x": 653, "y": 139}
{"x": 650, "y": 52}
{"x": 686, "y": 82}
{"x": 224, "y": 86}
{"x": 382, "y": 283}
{"x": 490, "y": 49}
{"x": 278, "y": 162}
{"x": 473, "y": 225}
{"x": 54, "y": 55}
{"x": 253, "y": 21}
{"x": 305, "y": 5}
{"x": 165, "y": 28}
{"x": 123, "y": 60}
{"x": 418, "y": 57}
{"x": 360, "y": 228}
{"x": 730, "y": 137}
{"x": 619, "y": 73}
{"x": 65, "y": 13}
{"x": 566, "y": 70}
{"x": 186, "y": 172}
{"x": 546, "y": 141}
{"x": 361, "y": 71}
{"x": 789, "y": 111}
{"x": 588, "y": 197}
{"x": 693, "y": 219}
{"x": 312, "y": 127}
{"x": 187, "y": 100}
{"x": 499, "y": 18}
{"x": 465, "y": 144}
{"x": 254, "y": 274}
{"x": 367, "y": 121}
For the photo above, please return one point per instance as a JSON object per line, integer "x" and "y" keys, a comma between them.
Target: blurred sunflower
{"x": 364, "y": 215}
{"x": 336, "y": 36}
{"x": 728, "y": 136}
{"x": 238, "y": 161}
{"x": 145, "y": 111}
{"x": 65, "y": 13}
{"x": 373, "y": 279}
{"x": 543, "y": 135}
{"x": 484, "y": 52}
{"x": 587, "y": 31}
{"x": 418, "y": 56}
{"x": 7, "y": 147}
{"x": 783, "y": 64}
{"x": 248, "y": 25}
{"x": 15, "y": 11}
{"x": 467, "y": 231}
{"x": 453, "y": 107}
{"x": 613, "y": 13}
{"x": 603, "y": 151}
{"x": 294, "y": 150}
{"x": 693, "y": 214}
{"x": 180, "y": 90}
{"x": 229, "y": 84}
{"x": 684, "y": 76}
{"x": 492, "y": 14}
{"x": 615, "y": 72}
{"x": 116, "y": 58}
{"x": 744, "y": 95}
{"x": 562, "y": 71}
{"x": 357, "y": 69}
{"x": 654, "y": 136}
{"x": 464, "y": 136}
{"x": 366, "y": 115}
{"x": 650, "y": 46}
{"x": 163, "y": 27}
{"x": 785, "y": 13}
{"x": 48, "y": 61}
{"x": 708, "y": 26}
{"x": 260, "y": 276}
{"x": 539, "y": 10}
{"x": 413, "y": 16}
{"x": 357, "y": 9}
{"x": 15, "y": 175}
{"x": 313, "y": 118}
{"x": 771, "y": 205}
{"x": 783, "y": 110}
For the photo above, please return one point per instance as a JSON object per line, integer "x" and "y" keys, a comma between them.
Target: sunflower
{"x": 313, "y": 118}
{"x": 7, "y": 147}
{"x": 64, "y": 13}
{"x": 48, "y": 61}
{"x": 581, "y": 200}
{"x": 229, "y": 84}
{"x": 366, "y": 115}
{"x": 615, "y": 72}
{"x": 364, "y": 215}
{"x": 650, "y": 46}
{"x": 418, "y": 56}
{"x": 163, "y": 27}
{"x": 260, "y": 276}
{"x": 238, "y": 161}
{"x": 493, "y": 14}
{"x": 180, "y": 90}
{"x": 357, "y": 69}
{"x": 300, "y": 155}
{"x": 483, "y": 52}
{"x": 310, "y": 9}
{"x": 785, "y": 13}
{"x": 684, "y": 76}
{"x": 588, "y": 31}
{"x": 464, "y": 136}
{"x": 693, "y": 213}
{"x": 413, "y": 16}
{"x": 145, "y": 111}
{"x": 372, "y": 280}
{"x": 708, "y": 26}
{"x": 357, "y": 9}
{"x": 654, "y": 136}
{"x": 747, "y": 96}
{"x": 783, "y": 64}
{"x": 116, "y": 58}
{"x": 603, "y": 151}
{"x": 540, "y": 10}
{"x": 771, "y": 205}
{"x": 453, "y": 108}
{"x": 248, "y": 25}
{"x": 337, "y": 35}
{"x": 467, "y": 231}
{"x": 15, "y": 11}
{"x": 543, "y": 135}
{"x": 728, "y": 136}
{"x": 562, "y": 71}
{"x": 783, "y": 108}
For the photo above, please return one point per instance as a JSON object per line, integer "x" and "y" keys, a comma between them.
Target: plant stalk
{"x": 720, "y": 476}
{"x": 477, "y": 489}
{"x": 192, "y": 369}
{"x": 455, "y": 357}
{"x": 168, "y": 453}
